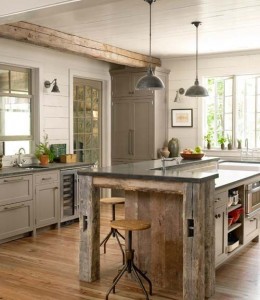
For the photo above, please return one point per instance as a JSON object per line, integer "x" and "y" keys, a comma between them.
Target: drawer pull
{"x": 252, "y": 220}
{"x": 13, "y": 180}
{"x": 14, "y": 207}
{"x": 46, "y": 178}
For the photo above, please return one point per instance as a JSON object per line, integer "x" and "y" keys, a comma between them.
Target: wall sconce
{"x": 179, "y": 93}
{"x": 55, "y": 88}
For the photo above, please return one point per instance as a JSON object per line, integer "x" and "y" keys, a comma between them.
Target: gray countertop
{"x": 10, "y": 171}
{"x": 186, "y": 171}
{"x": 227, "y": 177}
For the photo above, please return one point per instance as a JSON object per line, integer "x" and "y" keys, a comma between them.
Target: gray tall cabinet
{"x": 139, "y": 118}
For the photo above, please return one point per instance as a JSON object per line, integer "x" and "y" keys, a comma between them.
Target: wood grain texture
{"x": 46, "y": 37}
{"x": 89, "y": 263}
{"x": 46, "y": 267}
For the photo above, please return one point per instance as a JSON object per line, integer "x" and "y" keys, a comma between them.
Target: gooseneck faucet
{"x": 20, "y": 161}
{"x": 164, "y": 159}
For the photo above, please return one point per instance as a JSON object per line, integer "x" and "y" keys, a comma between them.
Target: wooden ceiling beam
{"x": 53, "y": 39}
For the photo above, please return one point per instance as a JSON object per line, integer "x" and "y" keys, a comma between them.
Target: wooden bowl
{"x": 192, "y": 156}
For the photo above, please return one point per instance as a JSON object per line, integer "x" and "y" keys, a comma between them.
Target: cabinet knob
{"x": 216, "y": 216}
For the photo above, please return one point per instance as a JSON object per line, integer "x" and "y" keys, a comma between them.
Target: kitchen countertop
{"x": 227, "y": 177}
{"x": 10, "y": 171}
{"x": 186, "y": 171}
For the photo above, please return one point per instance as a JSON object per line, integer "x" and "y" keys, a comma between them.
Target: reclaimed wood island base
{"x": 178, "y": 252}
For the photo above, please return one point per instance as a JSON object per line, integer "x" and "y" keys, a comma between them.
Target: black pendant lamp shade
{"x": 55, "y": 88}
{"x": 196, "y": 90}
{"x": 150, "y": 81}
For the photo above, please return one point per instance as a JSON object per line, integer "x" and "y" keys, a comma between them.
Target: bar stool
{"x": 130, "y": 267}
{"x": 113, "y": 232}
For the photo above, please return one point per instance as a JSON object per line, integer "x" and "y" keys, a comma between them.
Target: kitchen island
{"x": 178, "y": 252}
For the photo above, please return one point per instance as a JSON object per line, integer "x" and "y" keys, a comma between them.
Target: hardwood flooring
{"x": 46, "y": 268}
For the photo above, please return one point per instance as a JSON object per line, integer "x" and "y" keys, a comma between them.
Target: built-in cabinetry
{"x": 47, "y": 185}
{"x": 139, "y": 118}
{"x": 16, "y": 206}
{"x": 232, "y": 233}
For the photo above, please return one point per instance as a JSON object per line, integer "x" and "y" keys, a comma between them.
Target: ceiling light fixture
{"x": 196, "y": 90}
{"x": 150, "y": 81}
{"x": 55, "y": 88}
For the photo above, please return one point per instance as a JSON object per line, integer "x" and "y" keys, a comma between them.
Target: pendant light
{"x": 196, "y": 90}
{"x": 150, "y": 81}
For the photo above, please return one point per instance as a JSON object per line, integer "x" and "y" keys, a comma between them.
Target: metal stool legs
{"x": 114, "y": 233}
{"x": 130, "y": 267}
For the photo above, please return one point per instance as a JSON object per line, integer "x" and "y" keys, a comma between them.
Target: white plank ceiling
{"x": 227, "y": 25}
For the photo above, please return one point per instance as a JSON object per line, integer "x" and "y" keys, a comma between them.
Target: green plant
{"x": 222, "y": 140}
{"x": 43, "y": 149}
{"x": 208, "y": 137}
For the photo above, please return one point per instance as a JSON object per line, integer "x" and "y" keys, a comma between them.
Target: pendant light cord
{"x": 197, "y": 51}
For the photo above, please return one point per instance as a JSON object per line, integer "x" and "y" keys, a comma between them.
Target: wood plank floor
{"x": 46, "y": 268}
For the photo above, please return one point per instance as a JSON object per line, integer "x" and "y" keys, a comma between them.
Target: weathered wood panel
{"x": 89, "y": 261}
{"x": 53, "y": 39}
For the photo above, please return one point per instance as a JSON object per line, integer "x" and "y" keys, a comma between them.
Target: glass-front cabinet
{"x": 87, "y": 120}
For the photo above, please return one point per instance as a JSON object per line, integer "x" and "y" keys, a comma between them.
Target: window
{"x": 233, "y": 109}
{"x": 15, "y": 109}
{"x": 87, "y": 120}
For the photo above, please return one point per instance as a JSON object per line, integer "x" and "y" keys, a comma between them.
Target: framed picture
{"x": 182, "y": 118}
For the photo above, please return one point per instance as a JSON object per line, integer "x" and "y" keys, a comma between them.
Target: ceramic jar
{"x": 164, "y": 152}
{"x": 173, "y": 147}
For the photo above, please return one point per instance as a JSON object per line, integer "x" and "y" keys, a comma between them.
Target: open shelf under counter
{"x": 233, "y": 207}
{"x": 233, "y": 227}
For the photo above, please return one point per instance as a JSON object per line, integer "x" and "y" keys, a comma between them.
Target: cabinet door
{"x": 46, "y": 204}
{"x": 16, "y": 219}
{"x": 121, "y": 130}
{"x": 251, "y": 228}
{"x": 121, "y": 85}
{"x": 142, "y": 130}
{"x": 220, "y": 234}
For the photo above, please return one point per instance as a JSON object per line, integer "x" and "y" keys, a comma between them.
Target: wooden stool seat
{"x": 129, "y": 266}
{"x": 113, "y": 200}
{"x": 132, "y": 225}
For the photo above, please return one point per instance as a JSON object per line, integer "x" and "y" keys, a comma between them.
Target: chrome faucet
{"x": 164, "y": 159}
{"x": 20, "y": 161}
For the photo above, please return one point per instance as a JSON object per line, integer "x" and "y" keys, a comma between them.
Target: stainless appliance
{"x": 252, "y": 203}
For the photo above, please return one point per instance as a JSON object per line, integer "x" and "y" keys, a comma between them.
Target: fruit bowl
{"x": 192, "y": 155}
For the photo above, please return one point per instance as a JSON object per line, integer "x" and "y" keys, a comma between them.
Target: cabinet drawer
{"x": 16, "y": 219}
{"x": 15, "y": 189}
{"x": 46, "y": 177}
{"x": 251, "y": 228}
{"x": 221, "y": 199}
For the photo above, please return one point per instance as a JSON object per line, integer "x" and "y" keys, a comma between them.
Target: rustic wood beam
{"x": 64, "y": 42}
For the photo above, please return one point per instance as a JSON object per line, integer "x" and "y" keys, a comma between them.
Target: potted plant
{"x": 221, "y": 141}
{"x": 239, "y": 144}
{"x": 43, "y": 152}
{"x": 229, "y": 139}
{"x": 208, "y": 139}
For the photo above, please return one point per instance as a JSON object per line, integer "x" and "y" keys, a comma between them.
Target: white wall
{"x": 55, "y": 109}
{"x": 183, "y": 75}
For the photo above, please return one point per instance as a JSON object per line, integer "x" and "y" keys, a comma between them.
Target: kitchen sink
{"x": 32, "y": 167}
{"x": 230, "y": 165}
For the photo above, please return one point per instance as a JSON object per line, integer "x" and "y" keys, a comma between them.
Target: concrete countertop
{"x": 10, "y": 171}
{"x": 227, "y": 177}
{"x": 186, "y": 171}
